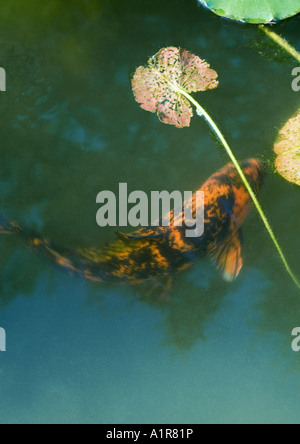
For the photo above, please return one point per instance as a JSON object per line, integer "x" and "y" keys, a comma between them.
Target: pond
{"x": 81, "y": 352}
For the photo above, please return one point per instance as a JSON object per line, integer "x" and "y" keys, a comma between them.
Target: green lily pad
{"x": 287, "y": 148}
{"x": 253, "y": 11}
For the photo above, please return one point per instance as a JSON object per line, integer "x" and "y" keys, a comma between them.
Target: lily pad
{"x": 254, "y": 11}
{"x": 158, "y": 87}
{"x": 287, "y": 148}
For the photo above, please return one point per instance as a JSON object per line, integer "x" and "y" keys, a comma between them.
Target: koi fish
{"x": 156, "y": 252}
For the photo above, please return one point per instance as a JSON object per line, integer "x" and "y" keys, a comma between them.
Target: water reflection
{"x": 192, "y": 303}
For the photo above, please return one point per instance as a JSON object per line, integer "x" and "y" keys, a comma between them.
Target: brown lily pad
{"x": 157, "y": 86}
{"x": 287, "y": 148}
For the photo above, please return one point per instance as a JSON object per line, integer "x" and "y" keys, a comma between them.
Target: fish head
{"x": 227, "y": 200}
{"x": 239, "y": 196}
{"x": 255, "y": 173}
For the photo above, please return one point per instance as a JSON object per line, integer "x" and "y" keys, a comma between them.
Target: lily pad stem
{"x": 281, "y": 42}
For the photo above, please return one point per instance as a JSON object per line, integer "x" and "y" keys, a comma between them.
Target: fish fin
{"x": 138, "y": 237}
{"x": 229, "y": 256}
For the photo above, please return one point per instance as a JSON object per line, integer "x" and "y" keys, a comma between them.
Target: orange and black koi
{"x": 152, "y": 253}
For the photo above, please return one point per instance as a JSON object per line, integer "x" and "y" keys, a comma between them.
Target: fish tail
{"x": 46, "y": 249}
{"x": 9, "y": 228}
{"x": 63, "y": 258}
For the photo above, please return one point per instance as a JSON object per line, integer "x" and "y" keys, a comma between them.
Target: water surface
{"x": 82, "y": 353}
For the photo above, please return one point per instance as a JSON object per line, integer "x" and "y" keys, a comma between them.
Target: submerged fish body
{"x": 153, "y": 253}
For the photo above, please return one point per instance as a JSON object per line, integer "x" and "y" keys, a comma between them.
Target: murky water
{"x": 79, "y": 352}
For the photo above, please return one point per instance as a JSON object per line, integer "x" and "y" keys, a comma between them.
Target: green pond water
{"x": 78, "y": 352}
